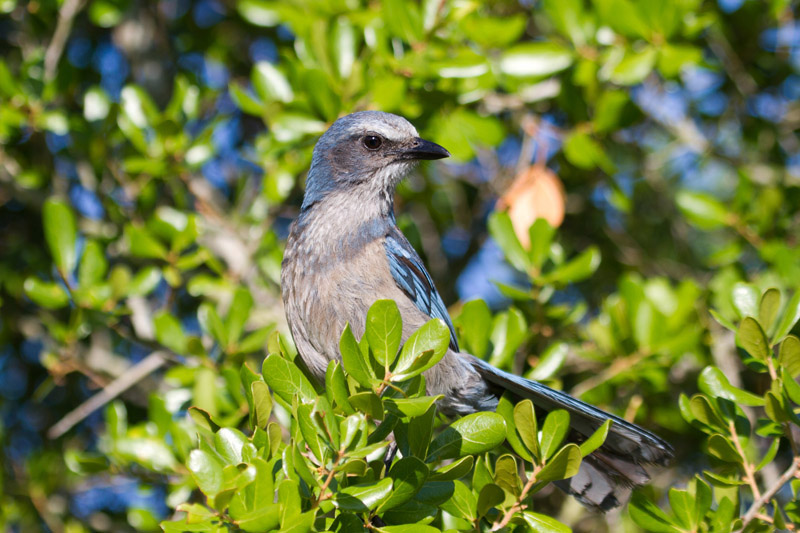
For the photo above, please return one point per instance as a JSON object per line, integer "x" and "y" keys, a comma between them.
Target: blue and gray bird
{"x": 345, "y": 251}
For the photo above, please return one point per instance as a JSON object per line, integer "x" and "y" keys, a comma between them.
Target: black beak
{"x": 422, "y": 149}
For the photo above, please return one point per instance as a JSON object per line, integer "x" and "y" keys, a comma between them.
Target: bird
{"x": 344, "y": 251}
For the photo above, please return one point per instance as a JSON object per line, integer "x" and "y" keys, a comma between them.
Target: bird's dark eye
{"x": 372, "y": 142}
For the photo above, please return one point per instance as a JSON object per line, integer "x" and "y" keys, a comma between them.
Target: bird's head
{"x": 368, "y": 150}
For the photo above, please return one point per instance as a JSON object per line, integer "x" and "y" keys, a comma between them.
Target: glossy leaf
{"x": 472, "y": 434}
{"x": 286, "y": 380}
{"x": 384, "y": 331}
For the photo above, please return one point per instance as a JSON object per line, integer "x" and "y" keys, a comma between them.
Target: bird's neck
{"x": 345, "y": 221}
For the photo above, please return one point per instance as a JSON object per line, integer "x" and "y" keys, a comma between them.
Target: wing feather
{"x": 413, "y": 279}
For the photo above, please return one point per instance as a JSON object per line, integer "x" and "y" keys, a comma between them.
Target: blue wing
{"x": 410, "y": 275}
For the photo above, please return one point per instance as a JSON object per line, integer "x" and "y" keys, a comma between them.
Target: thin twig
{"x": 132, "y": 376}
{"x": 518, "y": 505}
{"x": 66, "y": 16}
{"x": 769, "y": 493}
{"x": 749, "y": 470}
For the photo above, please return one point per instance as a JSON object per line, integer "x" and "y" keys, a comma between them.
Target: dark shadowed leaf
{"x": 408, "y": 475}
{"x": 490, "y": 497}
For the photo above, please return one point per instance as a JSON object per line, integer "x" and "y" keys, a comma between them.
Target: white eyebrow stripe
{"x": 386, "y": 130}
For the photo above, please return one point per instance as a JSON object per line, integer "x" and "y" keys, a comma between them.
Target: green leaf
{"x": 791, "y": 314}
{"x": 535, "y": 59}
{"x": 353, "y": 360}
{"x": 255, "y": 341}
{"x": 752, "y": 338}
{"x": 714, "y": 383}
{"x": 270, "y": 84}
{"x": 384, "y": 331}
{"x": 93, "y": 265}
{"x": 60, "y": 233}
{"x": 420, "y": 429}
{"x": 309, "y": 430}
{"x": 554, "y": 429}
{"x": 525, "y": 421}
{"x": 423, "y": 349}
{"x": 682, "y": 504}
{"x": 403, "y": 20}
{"x": 541, "y": 237}
{"x": 509, "y": 331}
{"x": 475, "y": 433}
{"x": 170, "y": 333}
{"x": 702, "y": 209}
{"x": 455, "y": 470}
{"x": 506, "y": 475}
{"x": 368, "y": 403}
{"x": 286, "y": 380}
{"x": 143, "y": 244}
{"x": 408, "y": 475}
{"x": 259, "y": 12}
{"x": 229, "y": 443}
{"x": 584, "y": 152}
{"x": 648, "y": 516}
{"x": 789, "y": 355}
{"x": 144, "y": 281}
{"x": 634, "y": 67}
{"x": 336, "y": 387}
{"x": 408, "y": 528}
{"x": 596, "y": 440}
{"x": 489, "y": 497}
{"x": 609, "y": 110}
{"x": 206, "y": 471}
{"x": 723, "y": 449}
{"x": 49, "y": 295}
{"x": 462, "y": 503}
{"x": 472, "y": 324}
{"x": 211, "y": 323}
{"x": 770, "y": 455}
{"x": 564, "y": 464}
{"x": 262, "y": 403}
{"x": 363, "y": 497}
{"x": 540, "y": 523}
{"x": 502, "y": 230}
{"x": 550, "y": 362}
{"x": 768, "y": 308}
{"x": 703, "y": 410}
{"x": 410, "y": 407}
{"x": 238, "y": 314}
{"x": 577, "y": 269}
{"x": 264, "y": 518}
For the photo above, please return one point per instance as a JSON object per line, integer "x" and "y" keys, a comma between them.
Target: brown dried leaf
{"x": 535, "y": 193}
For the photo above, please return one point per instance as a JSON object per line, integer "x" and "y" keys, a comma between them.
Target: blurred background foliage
{"x": 152, "y": 155}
